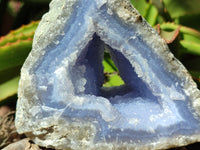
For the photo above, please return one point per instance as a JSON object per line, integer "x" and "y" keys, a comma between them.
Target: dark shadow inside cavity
{"x": 91, "y": 57}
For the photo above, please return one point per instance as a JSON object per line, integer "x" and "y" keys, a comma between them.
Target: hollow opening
{"x": 103, "y": 65}
{"x": 111, "y": 73}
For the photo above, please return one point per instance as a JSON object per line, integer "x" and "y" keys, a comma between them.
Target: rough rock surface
{"x": 62, "y": 103}
{"x": 24, "y": 144}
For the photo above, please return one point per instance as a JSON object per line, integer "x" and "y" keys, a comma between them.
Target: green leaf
{"x": 26, "y": 29}
{"x": 23, "y": 33}
{"x": 9, "y": 88}
{"x": 111, "y": 77}
{"x": 177, "y": 8}
{"x": 169, "y": 36}
{"x": 151, "y": 14}
{"x": 11, "y": 39}
{"x": 8, "y": 74}
{"x": 192, "y": 21}
{"x": 140, "y": 5}
{"x": 195, "y": 73}
{"x": 148, "y": 11}
{"x": 114, "y": 80}
{"x": 108, "y": 64}
{"x": 12, "y": 55}
{"x": 190, "y": 47}
{"x": 183, "y": 29}
{"x": 189, "y": 39}
{"x": 15, "y": 46}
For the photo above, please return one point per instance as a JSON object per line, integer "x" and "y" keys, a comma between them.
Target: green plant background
{"x": 177, "y": 21}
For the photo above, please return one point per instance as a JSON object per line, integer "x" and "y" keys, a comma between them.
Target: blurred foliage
{"x": 177, "y": 21}
{"x": 111, "y": 73}
{"x": 16, "y": 40}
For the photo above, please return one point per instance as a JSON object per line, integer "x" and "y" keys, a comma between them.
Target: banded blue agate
{"x": 62, "y": 103}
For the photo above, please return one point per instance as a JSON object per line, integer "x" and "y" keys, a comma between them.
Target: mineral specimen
{"x": 62, "y": 103}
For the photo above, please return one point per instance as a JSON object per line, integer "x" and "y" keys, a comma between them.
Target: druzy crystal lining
{"x": 62, "y": 103}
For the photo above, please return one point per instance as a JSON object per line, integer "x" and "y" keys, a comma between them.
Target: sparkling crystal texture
{"x": 62, "y": 103}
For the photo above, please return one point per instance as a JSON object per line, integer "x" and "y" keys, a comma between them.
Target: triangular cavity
{"x": 91, "y": 57}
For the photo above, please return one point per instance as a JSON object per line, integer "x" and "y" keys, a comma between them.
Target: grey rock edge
{"x": 60, "y": 107}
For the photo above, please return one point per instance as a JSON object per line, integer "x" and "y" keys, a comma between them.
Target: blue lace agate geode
{"x": 62, "y": 103}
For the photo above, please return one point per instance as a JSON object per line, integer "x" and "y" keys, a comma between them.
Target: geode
{"x": 62, "y": 103}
